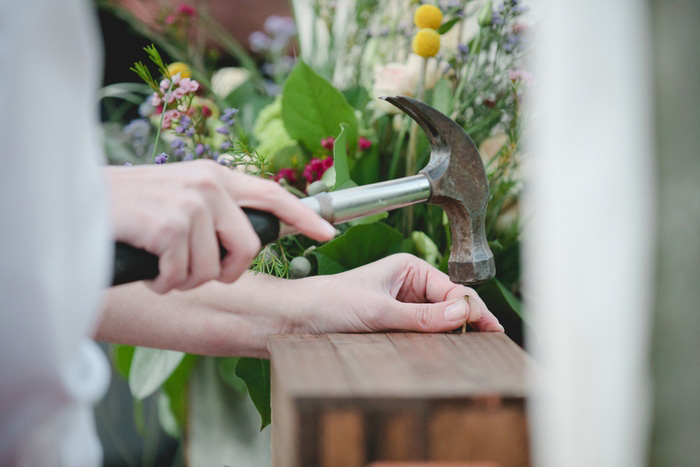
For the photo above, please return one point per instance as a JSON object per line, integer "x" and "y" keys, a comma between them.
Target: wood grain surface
{"x": 354, "y": 399}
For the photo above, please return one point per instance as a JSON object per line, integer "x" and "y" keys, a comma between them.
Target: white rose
{"x": 392, "y": 79}
{"x": 226, "y": 80}
{"x": 401, "y": 79}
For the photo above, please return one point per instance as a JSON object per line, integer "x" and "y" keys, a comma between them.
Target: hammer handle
{"x": 133, "y": 264}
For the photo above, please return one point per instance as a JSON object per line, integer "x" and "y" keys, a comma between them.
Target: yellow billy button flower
{"x": 179, "y": 67}
{"x": 428, "y": 16}
{"x": 426, "y": 43}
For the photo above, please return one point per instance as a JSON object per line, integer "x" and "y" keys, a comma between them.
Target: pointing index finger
{"x": 269, "y": 196}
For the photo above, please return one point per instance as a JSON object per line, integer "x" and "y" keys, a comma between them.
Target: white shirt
{"x": 54, "y": 233}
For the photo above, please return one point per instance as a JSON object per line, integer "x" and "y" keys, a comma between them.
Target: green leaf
{"x": 312, "y": 109}
{"x": 222, "y": 425}
{"x": 325, "y": 265}
{"x": 121, "y": 358}
{"x": 340, "y": 161}
{"x": 150, "y": 368}
{"x": 369, "y": 219}
{"x": 505, "y": 306}
{"x": 357, "y": 96}
{"x": 176, "y": 389}
{"x": 360, "y": 245}
{"x": 442, "y": 96}
{"x": 255, "y": 372}
{"x": 448, "y": 25}
{"x": 166, "y": 417}
{"x": 511, "y": 299}
{"x": 227, "y": 370}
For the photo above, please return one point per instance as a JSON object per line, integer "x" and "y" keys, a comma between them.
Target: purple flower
{"x": 259, "y": 42}
{"x": 146, "y": 109}
{"x": 127, "y": 164}
{"x": 225, "y": 160}
{"x": 137, "y": 128}
{"x": 161, "y": 158}
{"x": 199, "y": 149}
{"x": 271, "y": 88}
{"x": 225, "y": 146}
{"x": 280, "y": 27}
{"x": 463, "y": 50}
{"x": 188, "y": 156}
{"x": 177, "y": 144}
{"x": 222, "y": 130}
{"x": 228, "y": 116}
{"x": 511, "y": 43}
{"x": 496, "y": 19}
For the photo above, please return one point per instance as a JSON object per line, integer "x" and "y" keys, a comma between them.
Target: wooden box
{"x": 359, "y": 399}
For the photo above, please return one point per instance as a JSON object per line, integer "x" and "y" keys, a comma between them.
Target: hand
{"x": 400, "y": 292}
{"x": 180, "y": 213}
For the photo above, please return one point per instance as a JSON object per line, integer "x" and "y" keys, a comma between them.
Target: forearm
{"x": 214, "y": 319}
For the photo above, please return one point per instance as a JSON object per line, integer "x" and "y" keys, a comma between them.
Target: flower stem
{"x": 160, "y": 123}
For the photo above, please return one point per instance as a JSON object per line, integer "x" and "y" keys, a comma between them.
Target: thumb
{"x": 434, "y": 317}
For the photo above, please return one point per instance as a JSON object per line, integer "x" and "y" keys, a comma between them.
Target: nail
{"x": 457, "y": 311}
{"x": 328, "y": 229}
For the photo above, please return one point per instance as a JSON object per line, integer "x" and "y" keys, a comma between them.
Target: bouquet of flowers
{"x": 304, "y": 111}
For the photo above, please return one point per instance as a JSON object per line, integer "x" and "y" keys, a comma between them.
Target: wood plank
{"x": 308, "y": 366}
{"x": 374, "y": 366}
{"x": 438, "y": 365}
{"x": 348, "y": 399}
{"x": 399, "y": 365}
{"x": 397, "y": 435}
{"x": 485, "y": 431}
{"x": 342, "y": 438}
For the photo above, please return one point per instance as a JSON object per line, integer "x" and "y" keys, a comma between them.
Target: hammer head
{"x": 458, "y": 184}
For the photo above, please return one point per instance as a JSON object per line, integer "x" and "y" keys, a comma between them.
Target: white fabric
{"x": 54, "y": 233}
{"x": 589, "y": 243}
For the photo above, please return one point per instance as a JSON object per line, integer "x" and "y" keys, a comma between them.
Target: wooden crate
{"x": 358, "y": 399}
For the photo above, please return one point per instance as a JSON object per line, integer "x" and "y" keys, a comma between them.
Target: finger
{"x": 239, "y": 239}
{"x": 205, "y": 263}
{"x": 173, "y": 264}
{"x": 424, "y": 283}
{"x": 481, "y": 319}
{"x": 269, "y": 196}
{"x": 428, "y": 317}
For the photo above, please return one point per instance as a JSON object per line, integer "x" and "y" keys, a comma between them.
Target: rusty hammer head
{"x": 458, "y": 184}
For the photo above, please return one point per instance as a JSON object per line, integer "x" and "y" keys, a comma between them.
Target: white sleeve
{"x": 54, "y": 233}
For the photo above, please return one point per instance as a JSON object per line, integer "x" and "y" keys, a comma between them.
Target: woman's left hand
{"x": 399, "y": 293}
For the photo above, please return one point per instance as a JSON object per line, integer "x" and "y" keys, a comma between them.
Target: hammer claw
{"x": 419, "y": 113}
{"x": 459, "y": 185}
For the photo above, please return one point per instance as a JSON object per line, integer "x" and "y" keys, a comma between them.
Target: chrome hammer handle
{"x": 345, "y": 205}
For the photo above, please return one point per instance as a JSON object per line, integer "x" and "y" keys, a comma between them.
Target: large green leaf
{"x": 255, "y": 372}
{"x": 121, "y": 358}
{"x": 340, "y": 161}
{"x": 227, "y": 370}
{"x": 360, "y": 244}
{"x": 312, "y": 109}
{"x": 222, "y": 425}
{"x": 175, "y": 388}
{"x": 150, "y": 368}
{"x": 326, "y": 266}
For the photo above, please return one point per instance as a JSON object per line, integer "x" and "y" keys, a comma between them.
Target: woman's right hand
{"x": 181, "y": 212}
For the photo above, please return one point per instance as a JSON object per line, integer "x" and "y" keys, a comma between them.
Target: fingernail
{"x": 457, "y": 311}
{"x": 328, "y": 229}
